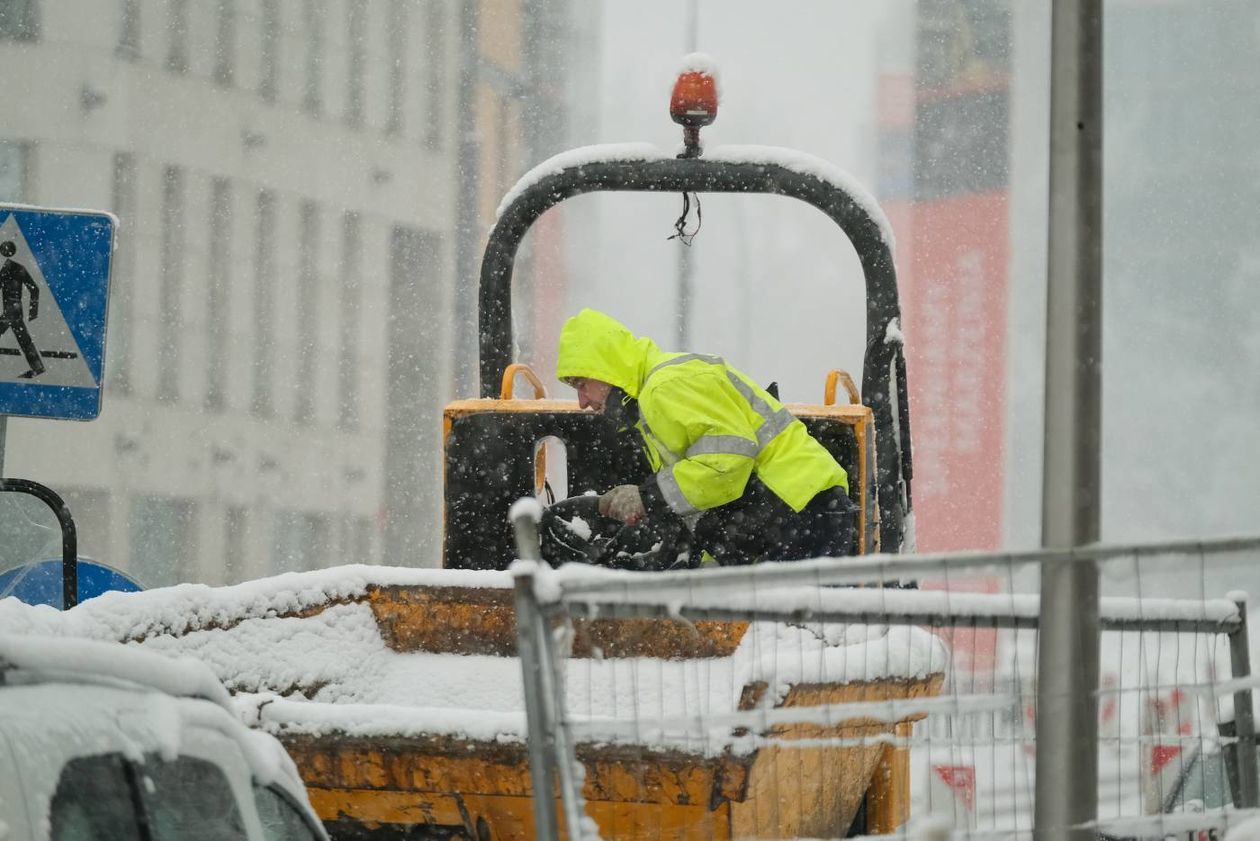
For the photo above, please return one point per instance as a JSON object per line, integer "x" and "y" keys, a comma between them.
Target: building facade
{"x": 280, "y": 338}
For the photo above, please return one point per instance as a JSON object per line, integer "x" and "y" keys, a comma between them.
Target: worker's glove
{"x": 623, "y": 503}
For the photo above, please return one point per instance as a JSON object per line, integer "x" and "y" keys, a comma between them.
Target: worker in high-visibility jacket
{"x": 728, "y": 459}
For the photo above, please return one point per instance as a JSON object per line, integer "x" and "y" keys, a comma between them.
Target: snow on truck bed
{"x": 303, "y": 654}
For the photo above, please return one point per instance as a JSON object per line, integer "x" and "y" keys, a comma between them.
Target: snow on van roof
{"x": 790, "y": 159}
{"x": 38, "y": 668}
{"x": 303, "y": 653}
{"x": 62, "y": 656}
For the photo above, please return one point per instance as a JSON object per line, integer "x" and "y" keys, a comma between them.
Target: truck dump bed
{"x": 632, "y": 790}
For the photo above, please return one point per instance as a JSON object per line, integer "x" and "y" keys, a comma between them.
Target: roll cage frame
{"x": 884, "y": 388}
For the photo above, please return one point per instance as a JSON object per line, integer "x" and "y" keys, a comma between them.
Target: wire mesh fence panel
{"x": 1169, "y": 741}
{"x": 869, "y": 696}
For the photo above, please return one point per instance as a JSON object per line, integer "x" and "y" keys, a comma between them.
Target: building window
{"x": 434, "y": 73}
{"x": 269, "y": 58}
{"x": 225, "y": 44}
{"x": 396, "y": 54}
{"x": 163, "y": 539}
{"x": 413, "y": 337}
{"x": 312, "y": 98}
{"x": 264, "y": 281}
{"x": 129, "y": 33}
{"x": 355, "y": 546}
{"x": 93, "y": 519}
{"x": 19, "y": 20}
{"x": 218, "y": 286}
{"x": 170, "y": 311}
{"x": 363, "y": 528}
{"x": 503, "y": 133}
{"x": 177, "y": 27}
{"x": 357, "y": 51}
{"x": 14, "y": 164}
{"x": 307, "y": 311}
{"x": 123, "y": 273}
{"x": 348, "y": 320}
{"x": 235, "y": 526}
{"x": 299, "y": 541}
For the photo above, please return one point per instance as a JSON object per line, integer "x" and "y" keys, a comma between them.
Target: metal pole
{"x": 563, "y": 753}
{"x": 531, "y": 629}
{"x": 468, "y": 226}
{"x": 549, "y": 742}
{"x": 4, "y": 431}
{"x": 528, "y": 618}
{"x": 682, "y": 315}
{"x": 1067, "y": 663}
{"x": 1244, "y": 714}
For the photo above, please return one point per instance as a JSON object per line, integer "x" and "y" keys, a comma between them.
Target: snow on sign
{"x": 54, "y": 285}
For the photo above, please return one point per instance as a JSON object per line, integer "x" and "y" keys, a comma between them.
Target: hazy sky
{"x": 803, "y": 80}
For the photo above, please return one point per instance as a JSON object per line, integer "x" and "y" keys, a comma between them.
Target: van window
{"x": 93, "y": 801}
{"x": 281, "y": 820}
{"x": 189, "y": 800}
{"x": 1204, "y": 783}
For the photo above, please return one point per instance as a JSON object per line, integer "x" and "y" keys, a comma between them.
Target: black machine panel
{"x": 490, "y": 465}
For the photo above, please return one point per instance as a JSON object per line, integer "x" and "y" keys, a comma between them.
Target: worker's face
{"x": 592, "y": 394}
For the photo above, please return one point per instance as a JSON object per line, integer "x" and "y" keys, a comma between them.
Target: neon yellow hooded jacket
{"x": 706, "y": 427}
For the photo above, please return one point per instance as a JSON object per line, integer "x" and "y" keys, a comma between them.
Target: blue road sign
{"x": 39, "y": 582}
{"x": 54, "y": 287}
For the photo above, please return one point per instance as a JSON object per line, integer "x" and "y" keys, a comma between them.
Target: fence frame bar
{"x": 858, "y": 569}
{"x": 1244, "y": 714}
{"x": 648, "y": 610}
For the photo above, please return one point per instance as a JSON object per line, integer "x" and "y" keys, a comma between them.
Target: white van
{"x": 103, "y": 741}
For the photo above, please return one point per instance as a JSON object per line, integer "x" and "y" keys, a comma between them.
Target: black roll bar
{"x": 69, "y": 537}
{"x": 883, "y": 373}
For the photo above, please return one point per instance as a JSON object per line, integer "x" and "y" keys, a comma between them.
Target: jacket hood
{"x": 597, "y": 346}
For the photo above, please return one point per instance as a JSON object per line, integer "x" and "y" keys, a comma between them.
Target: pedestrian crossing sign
{"x": 54, "y": 289}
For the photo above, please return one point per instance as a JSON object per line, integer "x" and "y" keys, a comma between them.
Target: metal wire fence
{"x": 879, "y": 695}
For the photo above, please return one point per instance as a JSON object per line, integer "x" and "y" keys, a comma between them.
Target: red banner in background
{"x": 944, "y": 178}
{"x": 955, "y": 318}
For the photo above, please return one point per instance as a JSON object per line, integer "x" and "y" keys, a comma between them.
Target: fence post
{"x": 550, "y": 749}
{"x": 563, "y": 754}
{"x": 528, "y": 618}
{"x": 530, "y": 629}
{"x": 1244, "y": 713}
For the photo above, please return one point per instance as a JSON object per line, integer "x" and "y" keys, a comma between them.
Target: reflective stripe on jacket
{"x": 706, "y": 426}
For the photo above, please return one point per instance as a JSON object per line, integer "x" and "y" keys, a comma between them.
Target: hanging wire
{"x": 680, "y": 224}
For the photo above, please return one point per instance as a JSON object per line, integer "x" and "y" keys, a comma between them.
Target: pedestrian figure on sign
{"x": 14, "y": 276}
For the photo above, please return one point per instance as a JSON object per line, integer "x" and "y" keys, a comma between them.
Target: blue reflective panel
{"x": 40, "y": 582}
